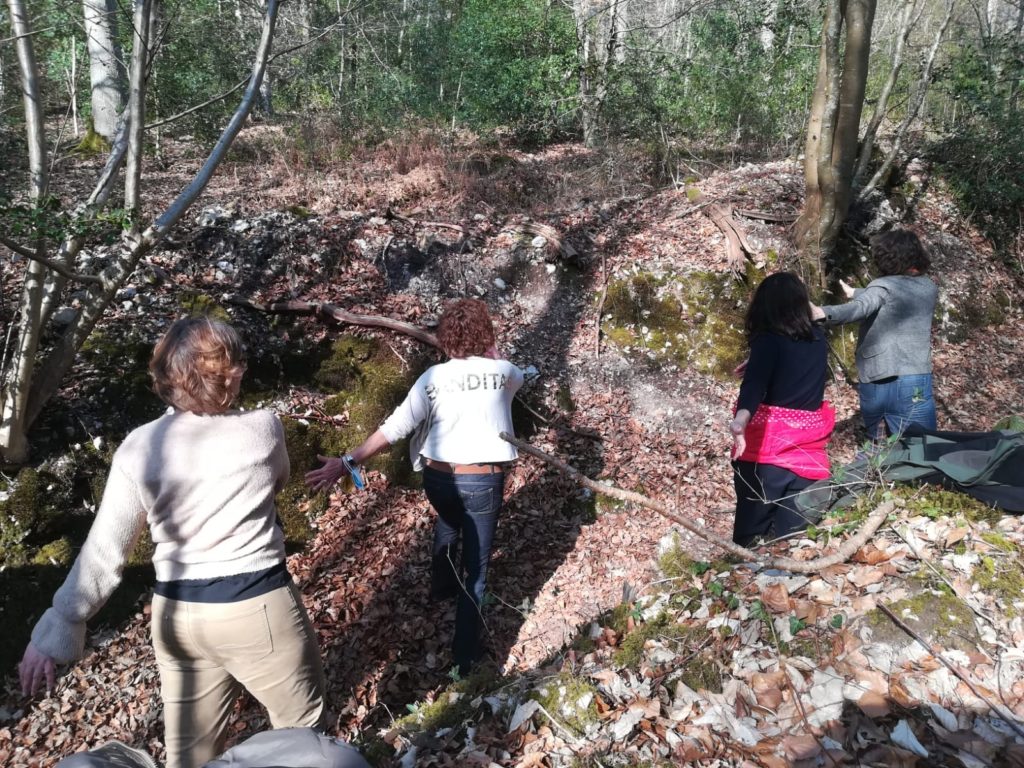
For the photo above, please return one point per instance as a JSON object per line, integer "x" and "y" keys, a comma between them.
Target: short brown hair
{"x": 465, "y": 329}
{"x": 899, "y": 251}
{"x": 194, "y": 362}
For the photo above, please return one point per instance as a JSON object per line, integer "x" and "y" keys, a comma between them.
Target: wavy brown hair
{"x": 465, "y": 329}
{"x": 899, "y": 251}
{"x": 194, "y": 364}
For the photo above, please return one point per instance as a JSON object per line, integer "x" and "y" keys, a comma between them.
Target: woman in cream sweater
{"x": 225, "y": 614}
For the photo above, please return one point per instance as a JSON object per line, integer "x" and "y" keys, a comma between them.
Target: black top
{"x": 785, "y": 372}
{"x": 226, "y": 589}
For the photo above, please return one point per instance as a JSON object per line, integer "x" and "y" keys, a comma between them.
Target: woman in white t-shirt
{"x": 455, "y": 412}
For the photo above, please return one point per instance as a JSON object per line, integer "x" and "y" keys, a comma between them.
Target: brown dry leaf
{"x": 532, "y": 760}
{"x": 954, "y": 536}
{"x": 801, "y": 747}
{"x": 865, "y": 576}
{"x": 873, "y": 704}
{"x": 870, "y": 555}
{"x": 776, "y": 598}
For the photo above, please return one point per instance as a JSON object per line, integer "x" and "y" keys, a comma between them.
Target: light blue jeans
{"x": 899, "y": 401}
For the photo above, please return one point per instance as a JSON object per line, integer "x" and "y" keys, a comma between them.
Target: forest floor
{"x": 277, "y": 223}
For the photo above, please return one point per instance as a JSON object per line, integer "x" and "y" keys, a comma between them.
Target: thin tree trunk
{"x": 15, "y": 396}
{"x": 831, "y": 146}
{"x": 882, "y": 105}
{"x": 106, "y": 66}
{"x": 137, "y": 111}
{"x": 59, "y": 360}
{"x": 915, "y": 106}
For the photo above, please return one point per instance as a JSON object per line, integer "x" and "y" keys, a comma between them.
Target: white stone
{"x": 539, "y": 241}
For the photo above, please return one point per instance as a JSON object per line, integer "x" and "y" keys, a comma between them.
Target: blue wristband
{"x": 353, "y": 471}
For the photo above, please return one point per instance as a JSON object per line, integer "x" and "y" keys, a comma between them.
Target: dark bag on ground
{"x": 280, "y": 748}
{"x": 988, "y": 466}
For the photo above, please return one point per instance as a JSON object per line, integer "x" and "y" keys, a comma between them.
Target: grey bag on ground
{"x": 280, "y": 748}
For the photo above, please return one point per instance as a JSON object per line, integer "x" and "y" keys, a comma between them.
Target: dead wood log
{"x": 548, "y": 233}
{"x": 390, "y": 214}
{"x": 781, "y": 218}
{"x": 333, "y": 312}
{"x": 845, "y": 551}
{"x": 737, "y": 247}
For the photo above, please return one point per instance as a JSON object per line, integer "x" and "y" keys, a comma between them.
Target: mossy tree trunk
{"x": 830, "y": 150}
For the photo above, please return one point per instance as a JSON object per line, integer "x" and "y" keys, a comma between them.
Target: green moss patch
{"x": 1001, "y": 572}
{"x": 938, "y": 617}
{"x": 692, "y": 320}
{"x": 570, "y": 699}
{"x": 368, "y": 381}
{"x": 198, "y": 304}
{"x": 700, "y": 672}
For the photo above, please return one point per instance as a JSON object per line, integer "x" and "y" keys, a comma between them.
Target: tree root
{"x": 322, "y": 309}
{"x": 848, "y": 548}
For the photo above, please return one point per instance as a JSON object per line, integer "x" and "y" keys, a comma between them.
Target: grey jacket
{"x": 895, "y": 314}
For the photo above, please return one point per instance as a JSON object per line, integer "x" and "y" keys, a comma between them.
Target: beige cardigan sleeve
{"x": 60, "y": 633}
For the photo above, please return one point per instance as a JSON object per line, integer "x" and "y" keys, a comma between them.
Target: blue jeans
{"x": 900, "y": 401}
{"x": 466, "y": 505}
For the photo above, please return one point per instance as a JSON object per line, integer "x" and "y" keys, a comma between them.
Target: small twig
{"x": 783, "y": 218}
{"x": 694, "y": 209}
{"x": 803, "y": 714}
{"x": 600, "y": 306}
{"x": 936, "y": 652}
{"x": 553, "y": 423}
{"x": 390, "y": 214}
{"x": 50, "y": 264}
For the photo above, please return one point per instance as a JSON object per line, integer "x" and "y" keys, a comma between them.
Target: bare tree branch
{"x": 847, "y": 549}
{"x": 52, "y": 264}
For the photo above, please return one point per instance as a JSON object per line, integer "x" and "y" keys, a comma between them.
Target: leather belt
{"x": 465, "y": 469}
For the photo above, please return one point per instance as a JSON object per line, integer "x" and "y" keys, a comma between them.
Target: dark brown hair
{"x": 899, "y": 251}
{"x": 465, "y": 329}
{"x": 780, "y": 305}
{"x": 193, "y": 364}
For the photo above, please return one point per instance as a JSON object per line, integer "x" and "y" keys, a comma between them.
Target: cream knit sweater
{"x": 205, "y": 485}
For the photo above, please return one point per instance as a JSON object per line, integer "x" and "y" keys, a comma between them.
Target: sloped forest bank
{"x": 623, "y": 300}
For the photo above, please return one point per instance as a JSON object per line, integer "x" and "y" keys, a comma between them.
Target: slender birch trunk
{"x": 15, "y": 395}
{"x": 106, "y": 65}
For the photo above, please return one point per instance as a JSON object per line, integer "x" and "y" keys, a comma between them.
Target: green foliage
{"x": 982, "y": 152}
{"x": 512, "y": 62}
{"x": 726, "y": 87}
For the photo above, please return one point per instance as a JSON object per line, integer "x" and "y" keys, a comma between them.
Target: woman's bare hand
{"x": 847, "y": 289}
{"x": 35, "y": 669}
{"x": 324, "y": 477}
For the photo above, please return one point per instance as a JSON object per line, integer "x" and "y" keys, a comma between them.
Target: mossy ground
{"x": 124, "y": 385}
{"x": 199, "y": 304}
{"x": 690, "y": 320}
{"x": 1001, "y": 572}
{"x": 450, "y": 708}
{"x": 937, "y": 616}
{"x": 367, "y": 381}
{"x": 701, "y": 672}
{"x": 570, "y": 699}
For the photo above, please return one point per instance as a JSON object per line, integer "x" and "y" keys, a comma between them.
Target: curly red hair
{"x": 194, "y": 364}
{"x": 466, "y": 329}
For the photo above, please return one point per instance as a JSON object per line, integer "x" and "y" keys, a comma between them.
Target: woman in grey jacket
{"x": 894, "y": 358}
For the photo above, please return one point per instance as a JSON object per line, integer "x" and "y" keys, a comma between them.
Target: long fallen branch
{"x": 336, "y": 313}
{"x": 851, "y": 545}
{"x": 1004, "y": 713}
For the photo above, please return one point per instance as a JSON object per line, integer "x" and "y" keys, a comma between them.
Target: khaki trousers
{"x": 208, "y": 652}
